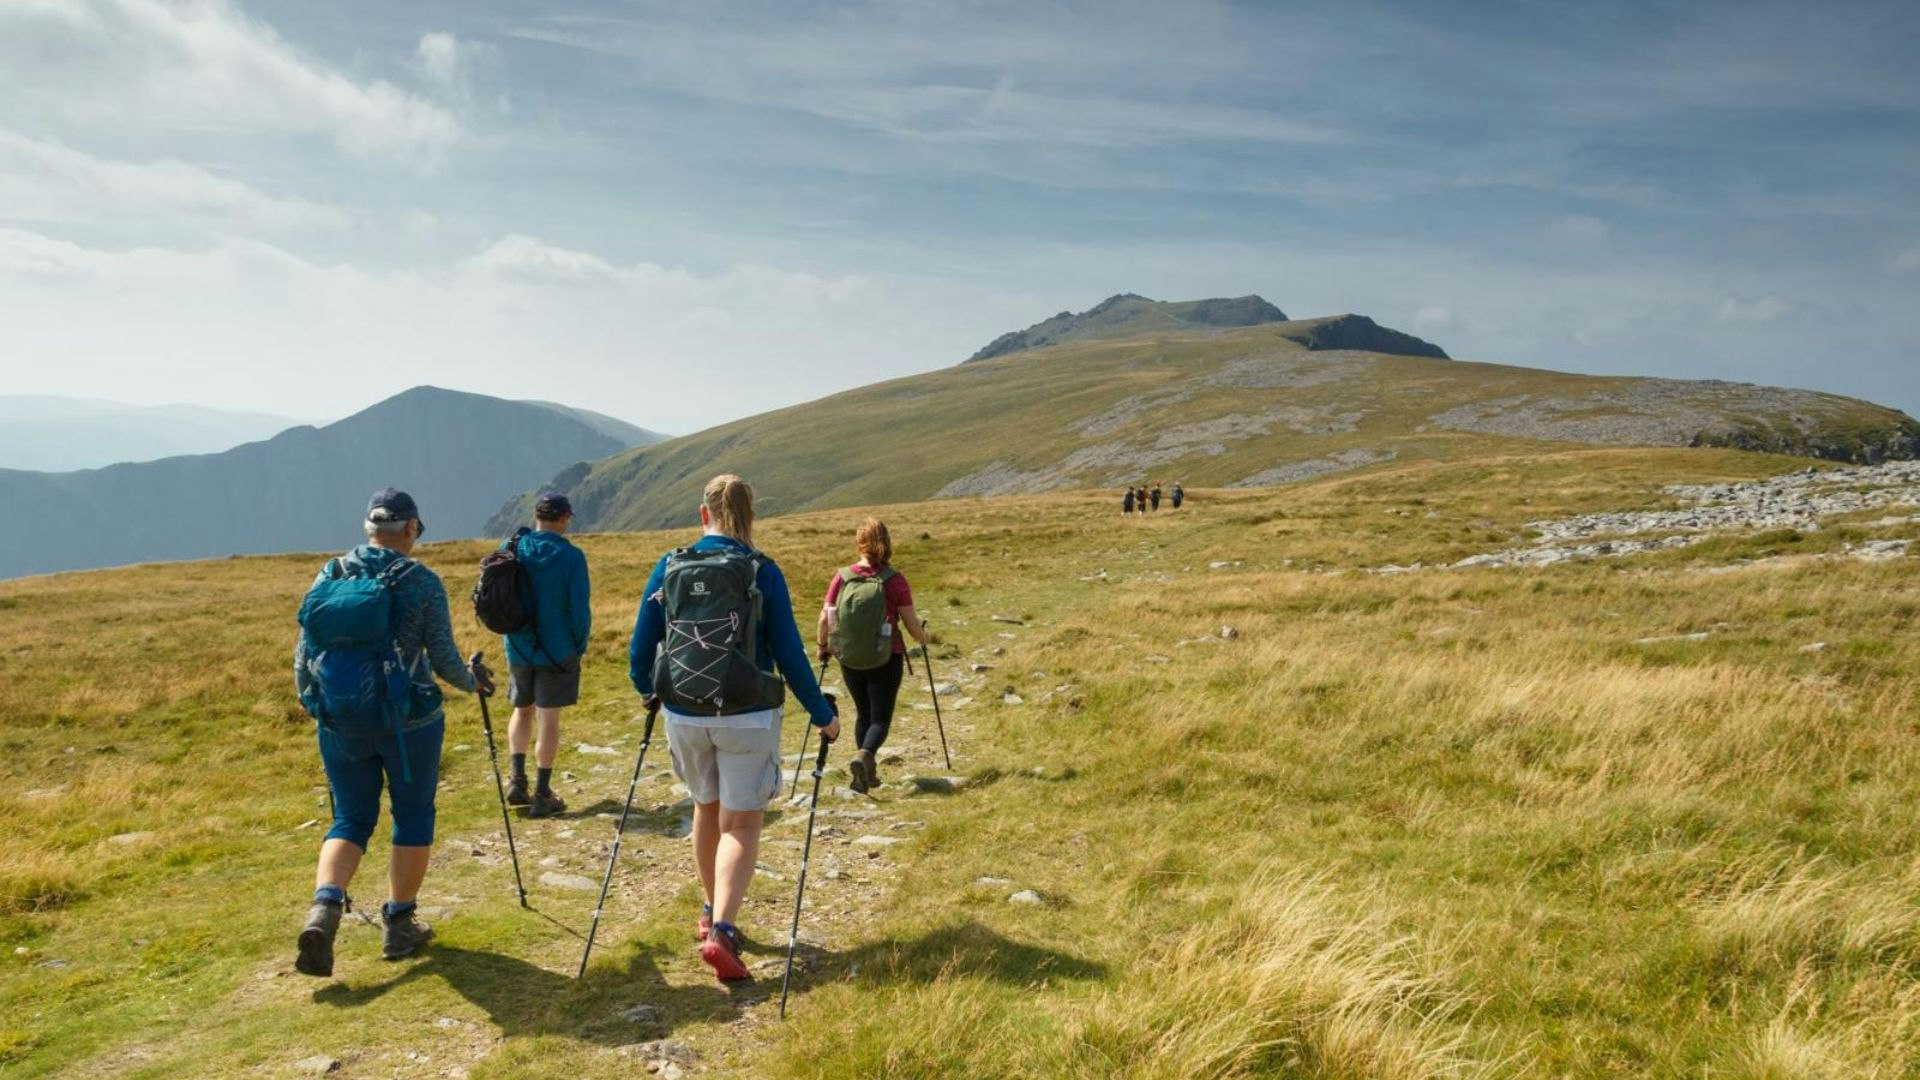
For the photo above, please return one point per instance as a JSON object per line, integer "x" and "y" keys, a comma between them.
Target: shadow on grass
{"x": 957, "y": 951}
{"x": 522, "y": 998}
{"x": 525, "y": 999}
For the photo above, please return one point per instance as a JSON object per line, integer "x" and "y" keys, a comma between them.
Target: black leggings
{"x": 873, "y": 692}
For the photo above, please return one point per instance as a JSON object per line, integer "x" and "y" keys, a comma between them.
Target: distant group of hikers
{"x": 1144, "y": 499}
{"x": 715, "y": 647}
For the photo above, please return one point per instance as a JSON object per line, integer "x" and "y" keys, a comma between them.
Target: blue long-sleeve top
{"x": 779, "y": 643}
{"x": 562, "y": 601}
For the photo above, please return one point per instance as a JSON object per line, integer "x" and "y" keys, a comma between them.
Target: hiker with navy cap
{"x": 374, "y": 631}
{"x": 544, "y": 656}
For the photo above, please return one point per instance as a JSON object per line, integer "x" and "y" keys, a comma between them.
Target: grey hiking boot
{"x": 403, "y": 935}
{"x": 316, "y": 939}
{"x": 545, "y": 804}
{"x": 517, "y": 792}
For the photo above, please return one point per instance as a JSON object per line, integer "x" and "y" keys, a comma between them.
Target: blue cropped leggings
{"x": 356, "y": 769}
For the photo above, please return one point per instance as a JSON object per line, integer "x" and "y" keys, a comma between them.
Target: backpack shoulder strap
{"x": 396, "y": 570}
{"x": 886, "y": 574}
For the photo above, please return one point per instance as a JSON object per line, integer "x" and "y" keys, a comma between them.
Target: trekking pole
{"x": 646, "y": 740}
{"x": 926, "y": 654}
{"x": 805, "y": 734}
{"x": 806, "y": 856}
{"x": 493, "y": 754}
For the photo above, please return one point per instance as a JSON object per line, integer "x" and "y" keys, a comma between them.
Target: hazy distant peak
{"x": 612, "y": 426}
{"x": 1130, "y": 313}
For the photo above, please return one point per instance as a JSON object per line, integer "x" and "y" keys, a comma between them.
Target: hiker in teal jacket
{"x": 544, "y": 659}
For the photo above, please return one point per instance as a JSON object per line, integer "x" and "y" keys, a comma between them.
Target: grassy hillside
{"x": 1251, "y": 406}
{"x": 1468, "y": 822}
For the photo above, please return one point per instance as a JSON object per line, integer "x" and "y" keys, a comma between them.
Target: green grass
{"x": 1449, "y": 823}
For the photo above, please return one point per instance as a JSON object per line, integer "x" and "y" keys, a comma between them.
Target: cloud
{"x": 204, "y": 66}
{"x": 1120, "y": 75}
{"x": 47, "y": 182}
{"x": 668, "y": 347}
{"x": 1907, "y": 261}
{"x": 440, "y": 56}
{"x": 1763, "y": 310}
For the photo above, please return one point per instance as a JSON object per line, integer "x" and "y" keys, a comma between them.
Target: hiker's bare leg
{"x": 706, "y": 842}
{"x": 738, "y": 849}
{"x": 549, "y": 746}
{"x": 338, "y": 861}
{"x": 405, "y": 871}
{"x": 520, "y": 730}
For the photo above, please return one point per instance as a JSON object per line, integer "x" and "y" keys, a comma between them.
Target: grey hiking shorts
{"x": 737, "y": 767}
{"x": 544, "y": 687}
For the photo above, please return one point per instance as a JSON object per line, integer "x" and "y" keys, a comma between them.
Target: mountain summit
{"x": 1128, "y": 314}
{"x": 1131, "y": 315}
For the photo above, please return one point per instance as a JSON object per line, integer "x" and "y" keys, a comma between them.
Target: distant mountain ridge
{"x": 44, "y": 432}
{"x": 305, "y": 489}
{"x": 1130, "y": 314}
{"x": 1126, "y": 314}
{"x": 1269, "y": 403}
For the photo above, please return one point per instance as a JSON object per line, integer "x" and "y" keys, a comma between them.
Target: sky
{"x": 684, "y": 213}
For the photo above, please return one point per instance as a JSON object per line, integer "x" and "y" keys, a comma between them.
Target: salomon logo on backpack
{"x": 359, "y": 686}
{"x": 706, "y": 666}
{"x": 502, "y": 597}
{"x": 862, "y": 636}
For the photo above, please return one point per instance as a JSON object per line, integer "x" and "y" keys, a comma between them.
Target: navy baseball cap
{"x": 392, "y": 504}
{"x": 551, "y": 505}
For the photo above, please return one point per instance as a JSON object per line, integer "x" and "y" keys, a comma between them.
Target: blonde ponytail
{"x": 729, "y": 501}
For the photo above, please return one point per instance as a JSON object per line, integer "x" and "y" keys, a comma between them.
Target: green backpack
{"x": 862, "y": 637}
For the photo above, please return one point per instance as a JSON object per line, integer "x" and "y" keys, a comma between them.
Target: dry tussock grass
{"x": 1288, "y": 980}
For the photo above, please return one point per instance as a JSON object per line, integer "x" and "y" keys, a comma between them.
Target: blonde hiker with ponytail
{"x": 715, "y": 624}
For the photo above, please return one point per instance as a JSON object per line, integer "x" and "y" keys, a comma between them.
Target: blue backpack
{"x": 359, "y": 686}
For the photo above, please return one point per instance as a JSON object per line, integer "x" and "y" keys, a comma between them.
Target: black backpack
{"x": 502, "y": 598}
{"x": 705, "y": 666}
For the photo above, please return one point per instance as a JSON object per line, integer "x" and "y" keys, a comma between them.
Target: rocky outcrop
{"x": 1361, "y": 334}
{"x": 1897, "y": 442}
{"x": 1706, "y": 412}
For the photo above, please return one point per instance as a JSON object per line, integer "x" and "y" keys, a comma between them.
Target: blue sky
{"x": 682, "y": 213}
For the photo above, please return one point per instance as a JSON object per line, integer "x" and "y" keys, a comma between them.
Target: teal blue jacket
{"x": 562, "y": 602}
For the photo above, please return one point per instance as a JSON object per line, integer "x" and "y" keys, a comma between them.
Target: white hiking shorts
{"x": 737, "y": 767}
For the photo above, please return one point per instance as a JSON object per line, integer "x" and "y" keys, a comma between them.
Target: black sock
{"x": 519, "y": 766}
{"x": 546, "y": 777}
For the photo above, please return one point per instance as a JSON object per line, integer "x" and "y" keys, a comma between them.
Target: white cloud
{"x": 1433, "y": 317}
{"x": 667, "y": 347}
{"x": 1908, "y": 261}
{"x": 1763, "y": 310}
{"x": 201, "y": 66}
{"x": 440, "y": 56}
{"x": 46, "y": 182}
{"x": 1109, "y": 75}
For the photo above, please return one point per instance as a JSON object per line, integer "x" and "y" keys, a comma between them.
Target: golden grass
{"x": 1450, "y": 823}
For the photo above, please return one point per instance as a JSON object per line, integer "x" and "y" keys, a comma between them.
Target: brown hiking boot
{"x": 545, "y": 804}
{"x": 316, "y": 939}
